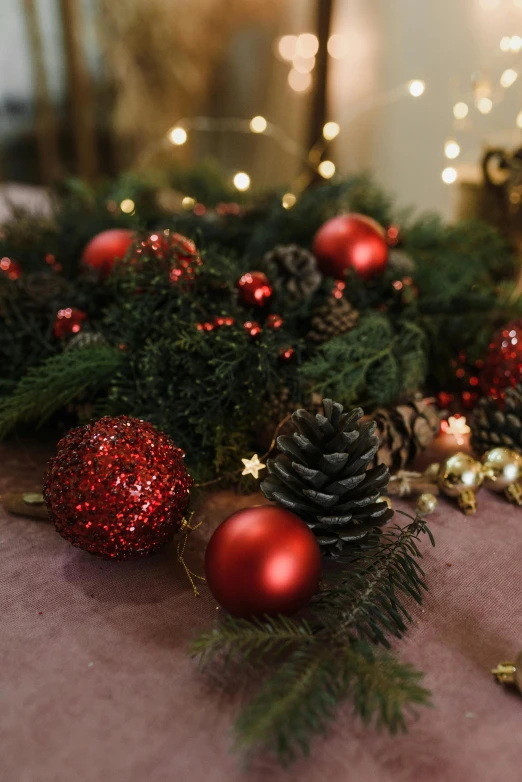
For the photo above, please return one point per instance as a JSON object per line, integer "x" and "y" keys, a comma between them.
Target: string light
{"x": 307, "y": 45}
{"x": 288, "y": 200}
{"x": 484, "y": 105}
{"x": 178, "y": 136}
{"x": 331, "y": 130}
{"x": 337, "y": 46}
{"x": 449, "y": 175}
{"x": 519, "y": 120}
{"x": 304, "y": 64}
{"x": 451, "y": 149}
{"x": 326, "y": 168}
{"x": 258, "y": 124}
{"x": 253, "y": 466}
{"x": 509, "y": 77}
{"x": 458, "y": 427}
{"x": 416, "y": 88}
{"x": 505, "y": 43}
{"x": 299, "y": 82}
{"x": 460, "y": 110}
{"x": 241, "y": 181}
{"x": 127, "y": 206}
{"x": 286, "y": 47}
{"x": 515, "y": 43}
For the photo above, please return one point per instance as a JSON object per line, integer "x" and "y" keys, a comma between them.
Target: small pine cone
{"x": 401, "y": 262}
{"x": 335, "y": 317}
{"x": 40, "y": 289}
{"x": 498, "y": 423}
{"x": 295, "y": 273}
{"x": 404, "y": 431}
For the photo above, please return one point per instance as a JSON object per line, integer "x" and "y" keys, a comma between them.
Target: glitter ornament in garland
{"x": 117, "y": 488}
{"x": 171, "y": 252}
{"x": 254, "y": 289}
{"x": 104, "y": 249}
{"x": 503, "y": 363}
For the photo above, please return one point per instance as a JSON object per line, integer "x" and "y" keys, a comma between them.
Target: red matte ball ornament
{"x": 254, "y": 289}
{"x": 263, "y": 560}
{"x": 106, "y": 248}
{"x": 117, "y": 488}
{"x": 351, "y": 240}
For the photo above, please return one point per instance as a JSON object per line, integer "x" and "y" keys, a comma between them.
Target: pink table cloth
{"x": 96, "y": 684}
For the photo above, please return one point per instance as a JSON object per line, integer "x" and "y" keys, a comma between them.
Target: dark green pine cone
{"x": 322, "y": 475}
{"x": 498, "y": 423}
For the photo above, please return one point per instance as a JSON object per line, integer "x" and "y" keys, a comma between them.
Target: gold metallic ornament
{"x": 426, "y": 503}
{"x": 431, "y": 473}
{"x": 510, "y": 673}
{"x": 502, "y": 470}
{"x": 461, "y": 476}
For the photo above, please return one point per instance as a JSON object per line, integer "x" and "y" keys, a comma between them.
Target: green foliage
{"x": 311, "y": 665}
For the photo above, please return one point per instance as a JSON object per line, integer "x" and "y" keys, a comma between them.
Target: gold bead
{"x": 502, "y": 470}
{"x": 426, "y": 504}
{"x": 510, "y": 673}
{"x": 460, "y": 476}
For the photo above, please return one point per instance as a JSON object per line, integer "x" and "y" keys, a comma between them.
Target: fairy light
{"x": 253, "y": 466}
{"x": 449, "y": 175}
{"x": 178, "y": 136}
{"x": 460, "y": 110}
{"x": 241, "y": 181}
{"x": 337, "y": 46}
{"x": 286, "y": 47}
{"x": 188, "y": 203}
{"x": 458, "y": 427}
{"x": 326, "y": 168}
{"x": 509, "y": 77}
{"x": 127, "y": 206}
{"x": 307, "y": 45}
{"x": 484, "y": 105}
{"x": 515, "y": 43}
{"x": 304, "y": 64}
{"x": 258, "y": 124}
{"x": 519, "y": 120}
{"x": 331, "y": 130}
{"x": 288, "y": 200}
{"x": 416, "y": 88}
{"x": 451, "y": 150}
{"x": 299, "y": 82}
{"x": 505, "y": 44}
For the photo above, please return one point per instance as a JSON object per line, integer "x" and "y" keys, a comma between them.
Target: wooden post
{"x": 45, "y": 119}
{"x": 80, "y": 92}
{"x": 319, "y": 102}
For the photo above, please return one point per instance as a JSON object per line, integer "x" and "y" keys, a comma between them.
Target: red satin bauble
{"x": 105, "y": 248}
{"x": 351, "y": 241}
{"x": 117, "y": 488}
{"x": 503, "y": 363}
{"x": 254, "y": 289}
{"x": 262, "y": 560}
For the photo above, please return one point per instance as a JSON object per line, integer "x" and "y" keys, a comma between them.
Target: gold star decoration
{"x": 458, "y": 427}
{"x": 252, "y": 466}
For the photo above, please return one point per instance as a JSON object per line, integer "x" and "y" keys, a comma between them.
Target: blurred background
{"x": 415, "y": 92}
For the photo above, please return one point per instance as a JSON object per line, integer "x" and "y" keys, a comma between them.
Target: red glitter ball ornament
{"x": 262, "y": 560}
{"x": 104, "y": 249}
{"x": 351, "y": 240}
{"x": 274, "y": 321}
{"x": 68, "y": 322}
{"x": 10, "y": 268}
{"x": 173, "y": 252}
{"x": 503, "y": 363}
{"x": 286, "y": 354}
{"x": 117, "y": 488}
{"x": 254, "y": 289}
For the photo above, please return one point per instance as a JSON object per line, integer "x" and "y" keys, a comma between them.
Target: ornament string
{"x": 186, "y": 529}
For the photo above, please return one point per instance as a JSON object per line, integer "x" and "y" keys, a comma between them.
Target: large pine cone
{"x": 498, "y": 424}
{"x": 295, "y": 271}
{"x": 335, "y": 317}
{"x": 404, "y": 431}
{"x": 322, "y": 475}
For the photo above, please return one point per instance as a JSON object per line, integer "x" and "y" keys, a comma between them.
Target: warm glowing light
{"x": 416, "y": 88}
{"x": 460, "y": 110}
{"x": 178, "y": 136}
{"x": 331, "y": 130}
{"x": 509, "y": 77}
{"x": 449, "y": 175}
{"x": 489, "y": 5}
{"x": 337, "y": 46}
{"x": 307, "y": 45}
{"x": 288, "y": 200}
{"x": 515, "y": 43}
{"x": 127, "y": 206}
{"x": 188, "y": 203}
{"x": 258, "y": 124}
{"x": 287, "y": 47}
{"x": 253, "y": 466}
{"x": 519, "y": 119}
{"x": 241, "y": 181}
{"x": 451, "y": 149}
{"x": 326, "y": 168}
{"x": 299, "y": 82}
{"x": 304, "y": 64}
{"x": 505, "y": 43}
{"x": 458, "y": 427}
{"x": 484, "y": 105}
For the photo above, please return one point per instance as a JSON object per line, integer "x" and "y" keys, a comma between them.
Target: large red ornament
{"x": 117, "y": 488}
{"x": 262, "y": 560}
{"x": 68, "y": 322}
{"x": 351, "y": 240}
{"x": 106, "y": 248}
{"x": 503, "y": 363}
{"x": 172, "y": 252}
{"x": 254, "y": 289}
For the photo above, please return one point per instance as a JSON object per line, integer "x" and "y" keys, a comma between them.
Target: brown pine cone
{"x": 335, "y": 317}
{"x": 404, "y": 431}
{"x": 295, "y": 273}
{"x": 498, "y": 423}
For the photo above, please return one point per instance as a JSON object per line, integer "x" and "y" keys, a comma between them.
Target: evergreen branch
{"x": 58, "y": 381}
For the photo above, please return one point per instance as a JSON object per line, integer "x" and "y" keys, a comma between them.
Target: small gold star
{"x": 458, "y": 427}
{"x": 252, "y": 466}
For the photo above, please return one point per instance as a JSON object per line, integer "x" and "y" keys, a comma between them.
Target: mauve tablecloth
{"x": 95, "y": 682}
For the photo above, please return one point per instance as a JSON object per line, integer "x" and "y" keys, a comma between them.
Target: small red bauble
{"x": 11, "y": 269}
{"x": 252, "y": 328}
{"x": 351, "y": 240}
{"x": 274, "y": 321}
{"x": 254, "y": 289}
{"x": 262, "y": 560}
{"x": 106, "y": 248}
{"x": 117, "y": 488}
{"x": 503, "y": 363}
{"x": 68, "y": 321}
{"x": 286, "y": 354}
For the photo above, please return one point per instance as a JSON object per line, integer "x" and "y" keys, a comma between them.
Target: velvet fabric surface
{"x": 96, "y": 684}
